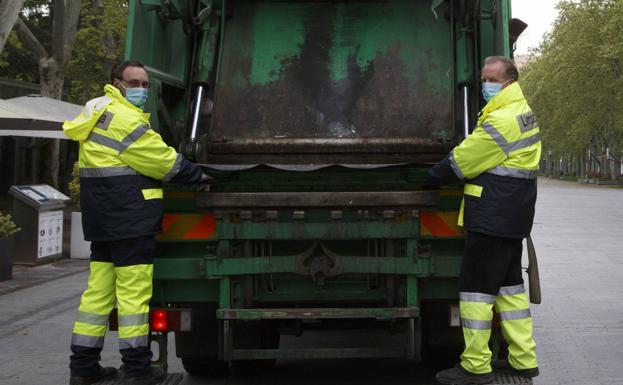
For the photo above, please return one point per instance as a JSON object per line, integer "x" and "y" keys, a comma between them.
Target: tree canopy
{"x": 574, "y": 80}
{"x": 99, "y": 42}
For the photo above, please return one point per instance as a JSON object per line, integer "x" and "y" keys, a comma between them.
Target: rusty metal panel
{"x": 319, "y": 199}
{"x": 333, "y": 77}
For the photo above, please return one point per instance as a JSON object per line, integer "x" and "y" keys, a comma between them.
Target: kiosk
{"x": 38, "y": 210}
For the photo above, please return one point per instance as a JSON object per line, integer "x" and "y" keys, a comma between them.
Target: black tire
{"x": 204, "y": 366}
{"x": 442, "y": 344}
{"x": 255, "y": 335}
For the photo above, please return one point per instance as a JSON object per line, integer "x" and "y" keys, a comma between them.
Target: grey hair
{"x": 510, "y": 68}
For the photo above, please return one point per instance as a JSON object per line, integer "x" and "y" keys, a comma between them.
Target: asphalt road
{"x": 578, "y": 327}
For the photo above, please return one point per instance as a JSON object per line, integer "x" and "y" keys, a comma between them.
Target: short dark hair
{"x": 116, "y": 72}
{"x": 510, "y": 68}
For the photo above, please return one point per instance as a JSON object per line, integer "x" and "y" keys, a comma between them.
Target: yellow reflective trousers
{"x": 491, "y": 277}
{"x": 121, "y": 274}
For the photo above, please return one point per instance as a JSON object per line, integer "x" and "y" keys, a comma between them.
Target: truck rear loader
{"x": 318, "y": 122}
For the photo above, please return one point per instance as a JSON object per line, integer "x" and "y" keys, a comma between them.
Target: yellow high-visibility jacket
{"x": 498, "y": 163}
{"x": 123, "y": 163}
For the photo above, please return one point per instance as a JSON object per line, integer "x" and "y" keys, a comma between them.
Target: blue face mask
{"x": 137, "y": 96}
{"x": 490, "y": 89}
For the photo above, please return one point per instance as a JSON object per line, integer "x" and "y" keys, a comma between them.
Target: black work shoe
{"x": 155, "y": 376}
{"x": 503, "y": 366}
{"x": 107, "y": 373}
{"x": 460, "y": 376}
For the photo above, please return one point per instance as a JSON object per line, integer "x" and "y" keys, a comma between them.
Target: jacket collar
{"x": 508, "y": 95}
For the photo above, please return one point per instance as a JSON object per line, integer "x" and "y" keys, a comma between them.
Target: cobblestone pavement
{"x": 578, "y": 327}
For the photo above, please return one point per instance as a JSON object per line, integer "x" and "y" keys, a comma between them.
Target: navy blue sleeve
{"x": 442, "y": 173}
{"x": 189, "y": 173}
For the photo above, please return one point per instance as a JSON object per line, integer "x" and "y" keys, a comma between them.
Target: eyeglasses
{"x": 134, "y": 83}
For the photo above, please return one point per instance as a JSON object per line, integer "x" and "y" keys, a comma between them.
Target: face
{"x": 494, "y": 73}
{"x": 133, "y": 77}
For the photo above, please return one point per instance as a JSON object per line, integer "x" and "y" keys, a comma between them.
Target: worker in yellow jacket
{"x": 498, "y": 164}
{"x": 123, "y": 163}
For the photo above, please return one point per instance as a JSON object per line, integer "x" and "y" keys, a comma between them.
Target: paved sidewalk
{"x": 28, "y": 276}
{"x": 579, "y": 325}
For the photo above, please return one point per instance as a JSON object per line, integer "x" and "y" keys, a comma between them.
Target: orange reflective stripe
{"x": 188, "y": 227}
{"x": 205, "y": 228}
{"x": 439, "y": 224}
{"x": 167, "y": 221}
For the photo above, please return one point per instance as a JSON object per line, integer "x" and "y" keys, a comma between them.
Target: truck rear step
{"x": 500, "y": 379}
{"x": 172, "y": 379}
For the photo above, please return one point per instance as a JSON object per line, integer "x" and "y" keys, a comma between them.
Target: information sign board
{"x": 50, "y": 239}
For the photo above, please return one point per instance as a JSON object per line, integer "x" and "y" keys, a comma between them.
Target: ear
{"x": 119, "y": 86}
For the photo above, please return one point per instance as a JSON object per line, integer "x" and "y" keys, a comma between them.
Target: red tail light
{"x": 159, "y": 322}
{"x": 164, "y": 320}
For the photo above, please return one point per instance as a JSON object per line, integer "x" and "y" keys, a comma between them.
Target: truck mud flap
{"x": 172, "y": 379}
{"x": 508, "y": 379}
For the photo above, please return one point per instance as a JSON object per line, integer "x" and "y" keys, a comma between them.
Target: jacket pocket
{"x": 470, "y": 204}
{"x": 473, "y": 190}
{"x": 152, "y": 193}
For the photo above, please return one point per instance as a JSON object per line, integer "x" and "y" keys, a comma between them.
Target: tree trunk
{"x": 108, "y": 41}
{"x": 52, "y": 78}
{"x": 9, "y": 9}
{"x": 51, "y": 70}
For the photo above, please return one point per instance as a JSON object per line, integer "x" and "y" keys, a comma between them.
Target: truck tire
{"x": 204, "y": 366}
{"x": 442, "y": 344}
{"x": 255, "y": 335}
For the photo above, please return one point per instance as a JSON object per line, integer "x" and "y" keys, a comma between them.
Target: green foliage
{"x": 574, "y": 80}
{"x": 7, "y": 226}
{"x": 100, "y": 42}
{"x": 74, "y": 184}
{"x": 23, "y": 64}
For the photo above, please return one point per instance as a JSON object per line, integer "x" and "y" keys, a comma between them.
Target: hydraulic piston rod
{"x": 196, "y": 113}
{"x": 466, "y": 111}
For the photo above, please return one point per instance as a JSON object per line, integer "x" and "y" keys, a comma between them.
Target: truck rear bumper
{"x": 318, "y": 313}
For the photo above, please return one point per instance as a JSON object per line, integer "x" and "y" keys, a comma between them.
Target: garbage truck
{"x": 317, "y": 121}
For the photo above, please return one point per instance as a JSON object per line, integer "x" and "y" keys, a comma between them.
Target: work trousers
{"x": 121, "y": 272}
{"x": 491, "y": 276}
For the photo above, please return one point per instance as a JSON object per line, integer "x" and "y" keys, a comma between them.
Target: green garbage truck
{"x": 318, "y": 121}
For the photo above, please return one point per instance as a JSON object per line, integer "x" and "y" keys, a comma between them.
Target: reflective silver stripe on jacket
{"x": 103, "y": 172}
{"x": 92, "y": 318}
{"x": 455, "y": 166}
{"x": 134, "y": 319}
{"x": 506, "y": 146}
{"x": 174, "y": 170}
{"x": 92, "y": 106}
{"x": 99, "y": 103}
{"x": 513, "y": 172}
{"x": 134, "y": 135}
{"x": 120, "y": 146}
{"x": 476, "y": 324}
{"x": 106, "y": 141}
{"x": 514, "y": 314}
{"x": 87, "y": 341}
{"x": 476, "y": 297}
{"x": 512, "y": 290}
{"x": 133, "y": 342}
